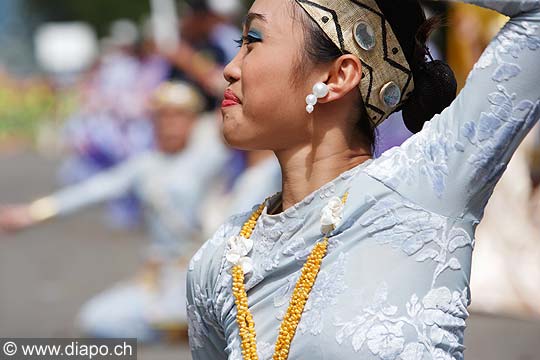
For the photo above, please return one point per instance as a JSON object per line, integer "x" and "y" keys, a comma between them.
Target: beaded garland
{"x": 300, "y": 295}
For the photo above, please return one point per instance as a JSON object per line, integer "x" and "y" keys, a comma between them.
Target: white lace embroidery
{"x": 265, "y": 350}
{"x": 329, "y": 285}
{"x": 196, "y": 330}
{"x": 234, "y": 348}
{"x": 438, "y": 321}
{"x": 511, "y": 40}
{"x": 429, "y": 159}
{"x": 406, "y": 226}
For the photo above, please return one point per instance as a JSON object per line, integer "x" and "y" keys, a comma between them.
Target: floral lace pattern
{"x": 330, "y": 283}
{"x": 430, "y": 160}
{"x": 197, "y": 332}
{"x": 416, "y": 232}
{"x": 200, "y": 321}
{"x": 512, "y": 40}
{"x": 494, "y": 132}
{"x": 437, "y": 320}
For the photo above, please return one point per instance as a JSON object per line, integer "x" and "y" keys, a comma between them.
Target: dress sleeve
{"x": 453, "y": 164}
{"x": 206, "y": 334}
{"x": 205, "y": 341}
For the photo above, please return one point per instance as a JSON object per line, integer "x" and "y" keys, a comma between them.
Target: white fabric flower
{"x": 331, "y": 215}
{"x": 246, "y": 264}
{"x": 239, "y": 248}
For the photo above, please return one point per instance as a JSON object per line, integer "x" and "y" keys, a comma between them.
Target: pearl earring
{"x": 320, "y": 90}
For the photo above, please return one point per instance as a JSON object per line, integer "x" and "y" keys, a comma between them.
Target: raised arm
{"x": 506, "y": 7}
{"x": 453, "y": 164}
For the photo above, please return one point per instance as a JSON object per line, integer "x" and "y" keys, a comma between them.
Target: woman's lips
{"x": 230, "y": 99}
{"x": 226, "y": 103}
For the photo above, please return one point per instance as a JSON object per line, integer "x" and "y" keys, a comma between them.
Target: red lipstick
{"x": 230, "y": 99}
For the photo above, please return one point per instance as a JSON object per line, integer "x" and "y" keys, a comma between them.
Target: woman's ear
{"x": 344, "y": 75}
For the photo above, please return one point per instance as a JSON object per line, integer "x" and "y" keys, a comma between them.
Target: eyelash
{"x": 246, "y": 40}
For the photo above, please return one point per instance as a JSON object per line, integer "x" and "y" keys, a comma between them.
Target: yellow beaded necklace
{"x": 300, "y": 295}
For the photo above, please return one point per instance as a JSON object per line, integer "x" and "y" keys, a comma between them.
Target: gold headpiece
{"x": 360, "y": 28}
{"x": 177, "y": 95}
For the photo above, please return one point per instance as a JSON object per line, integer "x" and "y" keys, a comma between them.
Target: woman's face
{"x": 269, "y": 112}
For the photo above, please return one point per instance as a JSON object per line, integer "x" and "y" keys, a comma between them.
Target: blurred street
{"x": 41, "y": 291}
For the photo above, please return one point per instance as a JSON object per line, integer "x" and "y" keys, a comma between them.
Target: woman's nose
{"x": 232, "y": 71}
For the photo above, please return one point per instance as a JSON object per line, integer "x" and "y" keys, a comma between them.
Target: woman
{"x": 358, "y": 258}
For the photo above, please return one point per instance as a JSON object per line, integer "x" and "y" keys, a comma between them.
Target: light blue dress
{"x": 395, "y": 281}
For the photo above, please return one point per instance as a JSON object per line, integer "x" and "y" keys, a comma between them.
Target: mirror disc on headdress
{"x": 390, "y": 94}
{"x": 364, "y": 35}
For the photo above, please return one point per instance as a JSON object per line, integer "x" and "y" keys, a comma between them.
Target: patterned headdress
{"x": 360, "y": 28}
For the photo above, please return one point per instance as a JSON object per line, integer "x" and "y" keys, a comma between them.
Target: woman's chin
{"x": 232, "y": 128}
{"x": 239, "y": 134}
{"x": 233, "y": 141}
{"x": 236, "y": 140}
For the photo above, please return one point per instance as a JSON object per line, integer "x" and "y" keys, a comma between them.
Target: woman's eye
{"x": 239, "y": 42}
{"x": 247, "y": 39}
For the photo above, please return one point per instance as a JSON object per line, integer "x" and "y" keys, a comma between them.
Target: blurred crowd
{"x": 144, "y": 138}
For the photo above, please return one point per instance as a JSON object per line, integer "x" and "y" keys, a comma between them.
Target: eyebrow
{"x": 252, "y": 16}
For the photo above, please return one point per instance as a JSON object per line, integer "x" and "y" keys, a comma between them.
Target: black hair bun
{"x": 435, "y": 88}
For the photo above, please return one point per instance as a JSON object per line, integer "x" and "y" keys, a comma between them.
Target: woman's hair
{"x": 435, "y": 84}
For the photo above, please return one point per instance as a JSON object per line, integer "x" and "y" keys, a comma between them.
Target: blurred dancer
{"x": 170, "y": 182}
{"x": 112, "y": 124}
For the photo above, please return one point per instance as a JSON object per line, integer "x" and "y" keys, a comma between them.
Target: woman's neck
{"x": 257, "y": 156}
{"x": 306, "y": 169}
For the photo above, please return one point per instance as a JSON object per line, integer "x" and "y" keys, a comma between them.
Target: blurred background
{"x": 113, "y": 172}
